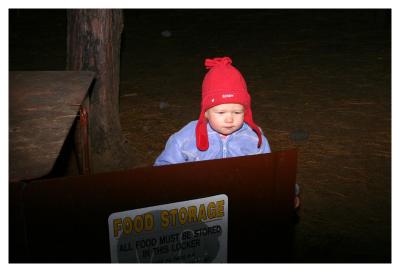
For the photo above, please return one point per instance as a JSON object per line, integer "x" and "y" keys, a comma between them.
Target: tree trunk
{"x": 93, "y": 44}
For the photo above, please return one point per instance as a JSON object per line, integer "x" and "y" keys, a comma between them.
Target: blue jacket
{"x": 181, "y": 146}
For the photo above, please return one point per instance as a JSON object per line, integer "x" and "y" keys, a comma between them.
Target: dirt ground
{"x": 320, "y": 81}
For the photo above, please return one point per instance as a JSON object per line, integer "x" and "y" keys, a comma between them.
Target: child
{"x": 225, "y": 127}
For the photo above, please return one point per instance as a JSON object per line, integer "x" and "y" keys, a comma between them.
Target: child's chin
{"x": 227, "y": 131}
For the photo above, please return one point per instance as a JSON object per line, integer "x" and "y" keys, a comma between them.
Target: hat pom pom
{"x": 209, "y": 63}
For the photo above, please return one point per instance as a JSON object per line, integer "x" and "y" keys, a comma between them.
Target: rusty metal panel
{"x": 67, "y": 217}
{"x": 18, "y": 247}
{"x": 43, "y": 106}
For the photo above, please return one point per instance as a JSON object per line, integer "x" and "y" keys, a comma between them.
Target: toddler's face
{"x": 226, "y": 118}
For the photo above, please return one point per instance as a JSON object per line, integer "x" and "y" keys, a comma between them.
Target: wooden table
{"x": 43, "y": 107}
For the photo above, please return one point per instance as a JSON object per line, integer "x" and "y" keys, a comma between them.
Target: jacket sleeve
{"x": 172, "y": 153}
{"x": 265, "y": 148}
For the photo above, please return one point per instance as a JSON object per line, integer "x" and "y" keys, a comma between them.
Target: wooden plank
{"x": 43, "y": 107}
{"x": 67, "y": 217}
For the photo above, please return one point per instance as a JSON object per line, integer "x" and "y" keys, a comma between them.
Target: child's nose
{"x": 229, "y": 118}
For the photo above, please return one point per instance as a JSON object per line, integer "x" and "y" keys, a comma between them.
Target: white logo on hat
{"x": 212, "y": 100}
{"x": 227, "y": 95}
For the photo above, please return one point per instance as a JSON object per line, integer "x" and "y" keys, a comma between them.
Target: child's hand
{"x": 296, "y": 202}
{"x": 297, "y": 197}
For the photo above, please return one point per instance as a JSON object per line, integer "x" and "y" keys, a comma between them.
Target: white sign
{"x": 182, "y": 232}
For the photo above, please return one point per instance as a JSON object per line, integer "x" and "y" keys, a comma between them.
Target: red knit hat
{"x": 223, "y": 84}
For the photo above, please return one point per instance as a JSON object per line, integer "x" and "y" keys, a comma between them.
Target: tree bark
{"x": 93, "y": 44}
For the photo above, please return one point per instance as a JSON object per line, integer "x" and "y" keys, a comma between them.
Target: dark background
{"x": 320, "y": 80}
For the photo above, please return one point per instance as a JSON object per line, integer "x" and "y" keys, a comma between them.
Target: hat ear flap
{"x": 201, "y": 133}
{"x": 248, "y": 118}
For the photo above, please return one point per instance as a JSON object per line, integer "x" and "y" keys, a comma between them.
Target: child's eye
{"x": 238, "y": 112}
{"x": 220, "y": 112}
